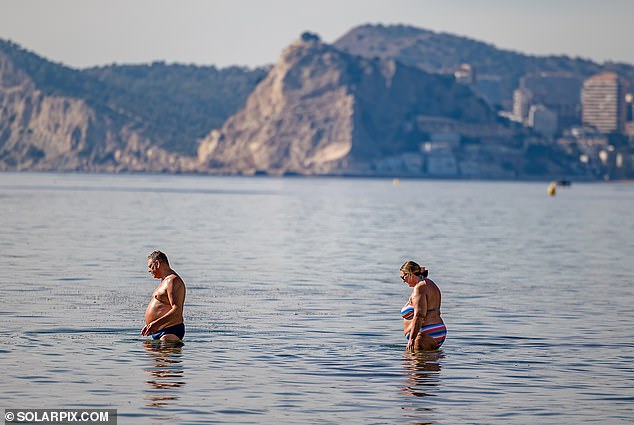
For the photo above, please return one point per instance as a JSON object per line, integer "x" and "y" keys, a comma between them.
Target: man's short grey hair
{"x": 158, "y": 255}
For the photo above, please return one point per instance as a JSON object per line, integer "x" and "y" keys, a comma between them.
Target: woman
{"x": 422, "y": 325}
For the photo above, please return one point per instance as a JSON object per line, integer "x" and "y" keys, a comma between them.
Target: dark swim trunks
{"x": 178, "y": 330}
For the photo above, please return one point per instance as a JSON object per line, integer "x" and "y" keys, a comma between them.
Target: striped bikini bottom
{"x": 438, "y": 331}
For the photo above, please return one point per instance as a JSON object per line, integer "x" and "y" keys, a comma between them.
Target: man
{"x": 164, "y": 313}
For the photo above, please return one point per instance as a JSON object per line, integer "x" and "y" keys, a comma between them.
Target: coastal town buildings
{"x": 542, "y": 120}
{"x": 559, "y": 93}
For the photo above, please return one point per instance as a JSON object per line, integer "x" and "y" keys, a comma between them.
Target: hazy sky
{"x": 82, "y": 33}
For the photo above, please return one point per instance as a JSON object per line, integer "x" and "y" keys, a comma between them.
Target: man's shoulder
{"x": 174, "y": 280}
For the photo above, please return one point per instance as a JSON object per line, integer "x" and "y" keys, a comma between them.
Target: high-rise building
{"x": 603, "y": 103}
{"x": 521, "y": 104}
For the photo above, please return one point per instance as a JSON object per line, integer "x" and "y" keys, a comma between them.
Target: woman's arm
{"x": 419, "y": 301}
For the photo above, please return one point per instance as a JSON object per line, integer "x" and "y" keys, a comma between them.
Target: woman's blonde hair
{"x": 414, "y": 268}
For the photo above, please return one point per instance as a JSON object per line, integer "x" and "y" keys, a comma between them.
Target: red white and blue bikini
{"x": 438, "y": 331}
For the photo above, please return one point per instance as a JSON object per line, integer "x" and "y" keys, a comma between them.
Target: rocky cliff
{"x": 40, "y": 131}
{"x": 113, "y": 118}
{"x": 323, "y": 111}
{"x": 318, "y": 110}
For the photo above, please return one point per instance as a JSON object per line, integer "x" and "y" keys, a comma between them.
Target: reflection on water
{"x": 166, "y": 373}
{"x": 423, "y": 372}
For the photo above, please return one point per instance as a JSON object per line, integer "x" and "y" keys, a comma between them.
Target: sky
{"x": 84, "y": 33}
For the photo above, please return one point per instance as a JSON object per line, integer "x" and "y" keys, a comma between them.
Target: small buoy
{"x": 396, "y": 182}
{"x": 552, "y": 189}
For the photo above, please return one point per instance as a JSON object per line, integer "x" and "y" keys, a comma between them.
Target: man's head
{"x": 156, "y": 262}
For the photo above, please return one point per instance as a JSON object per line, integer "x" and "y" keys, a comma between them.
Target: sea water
{"x": 293, "y": 299}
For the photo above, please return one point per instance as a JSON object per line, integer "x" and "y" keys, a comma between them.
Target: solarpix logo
{"x": 61, "y": 416}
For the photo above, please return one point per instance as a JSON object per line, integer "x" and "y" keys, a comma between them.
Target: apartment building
{"x": 603, "y": 103}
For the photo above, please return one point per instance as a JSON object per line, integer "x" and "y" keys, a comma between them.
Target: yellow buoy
{"x": 552, "y": 189}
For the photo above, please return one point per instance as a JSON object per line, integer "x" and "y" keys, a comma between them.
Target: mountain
{"x": 55, "y": 118}
{"x": 444, "y": 53}
{"x": 382, "y": 100}
{"x": 179, "y": 104}
{"x": 321, "y": 111}
{"x": 116, "y": 118}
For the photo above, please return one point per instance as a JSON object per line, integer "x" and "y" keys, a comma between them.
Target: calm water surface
{"x": 294, "y": 294}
